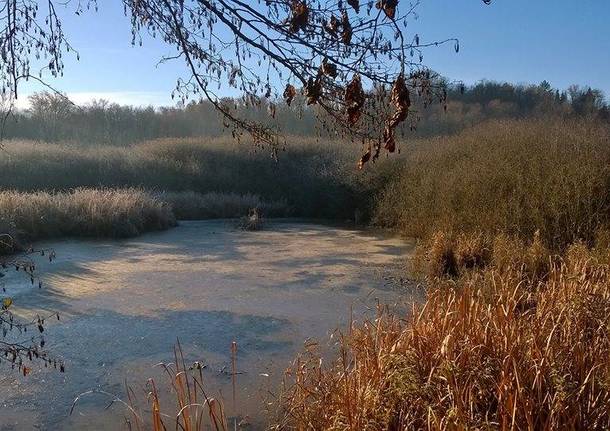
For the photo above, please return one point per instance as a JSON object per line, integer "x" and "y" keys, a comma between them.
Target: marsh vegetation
{"x": 512, "y": 215}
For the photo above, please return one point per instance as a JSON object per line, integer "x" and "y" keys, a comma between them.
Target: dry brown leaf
{"x": 333, "y": 26}
{"x": 400, "y": 94}
{"x": 401, "y": 100}
{"x": 329, "y": 69}
{"x": 300, "y": 16}
{"x": 289, "y": 93}
{"x": 365, "y": 158}
{"x": 313, "y": 90}
{"x": 388, "y": 6}
{"x": 389, "y": 140}
{"x": 354, "y": 100}
{"x": 346, "y": 34}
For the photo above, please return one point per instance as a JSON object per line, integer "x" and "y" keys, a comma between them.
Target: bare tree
{"x": 50, "y": 111}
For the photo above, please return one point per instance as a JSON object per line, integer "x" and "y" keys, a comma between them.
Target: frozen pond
{"x": 124, "y": 303}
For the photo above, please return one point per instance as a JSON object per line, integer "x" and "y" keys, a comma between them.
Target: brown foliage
{"x": 332, "y": 26}
{"x": 401, "y": 100}
{"x": 388, "y": 7}
{"x": 354, "y": 99}
{"x": 313, "y": 90}
{"x": 300, "y": 16}
{"x": 346, "y": 35}
{"x": 289, "y": 93}
{"x": 355, "y": 4}
{"x": 329, "y": 69}
{"x": 365, "y": 158}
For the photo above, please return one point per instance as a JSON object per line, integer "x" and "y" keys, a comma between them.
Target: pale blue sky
{"x": 520, "y": 41}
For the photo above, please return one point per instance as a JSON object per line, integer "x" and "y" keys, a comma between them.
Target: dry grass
{"x": 314, "y": 178}
{"x": 83, "y": 212}
{"x": 496, "y": 348}
{"x": 194, "y": 409}
{"x": 515, "y": 177}
{"x": 444, "y": 255}
{"x": 114, "y": 213}
{"x": 252, "y": 222}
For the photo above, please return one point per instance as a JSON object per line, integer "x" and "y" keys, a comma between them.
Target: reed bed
{"x": 514, "y": 177}
{"x": 515, "y": 344}
{"x": 83, "y": 213}
{"x": 114, "y": 213}
{"x": 314, "y": 178}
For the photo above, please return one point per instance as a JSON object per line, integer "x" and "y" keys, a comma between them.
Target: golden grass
{"x": 516, "y": 177}
{"x": 194, "y": 408}
{"x": 497, "y": 348}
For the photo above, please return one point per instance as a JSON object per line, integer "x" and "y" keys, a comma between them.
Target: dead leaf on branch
{"x": 289, "y": 94}
{"x": 401, "y": 100}
{"x": 389, "y": 139}
{"x": 332, "y": 26}
{"x": 300, "y": 16}
{"x": 354, "y": 99}
{"x": 388, "y": 6}
{"x": 329, "y": 69}
{"x": 313, "y": 90}
{"x": 346, "y": 35}
{"x": 365, "y": 158}
{"x": 377, "y": 149}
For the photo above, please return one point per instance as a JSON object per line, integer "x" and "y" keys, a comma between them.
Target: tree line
{"x": 54, "y": 118}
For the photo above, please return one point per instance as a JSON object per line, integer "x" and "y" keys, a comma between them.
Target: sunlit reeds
{"x": 514, "y": 346}
{"x": 515, "y": 177}
{"x": 83, "y": 212}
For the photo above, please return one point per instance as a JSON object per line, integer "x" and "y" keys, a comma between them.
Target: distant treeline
{"x": 53, "y": 118}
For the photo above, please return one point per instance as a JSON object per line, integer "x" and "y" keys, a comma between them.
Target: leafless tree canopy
{"x": 355, "y": 60}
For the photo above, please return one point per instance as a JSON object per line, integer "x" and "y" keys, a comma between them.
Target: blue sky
{"x": 520, "y": 41}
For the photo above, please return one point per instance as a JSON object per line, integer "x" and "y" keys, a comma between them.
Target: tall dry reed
{"x": 84, "y": 212}
{"x": 496, "y": 348}
{"x": 315, "y": 178}
{"x": 515, "y": 177}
